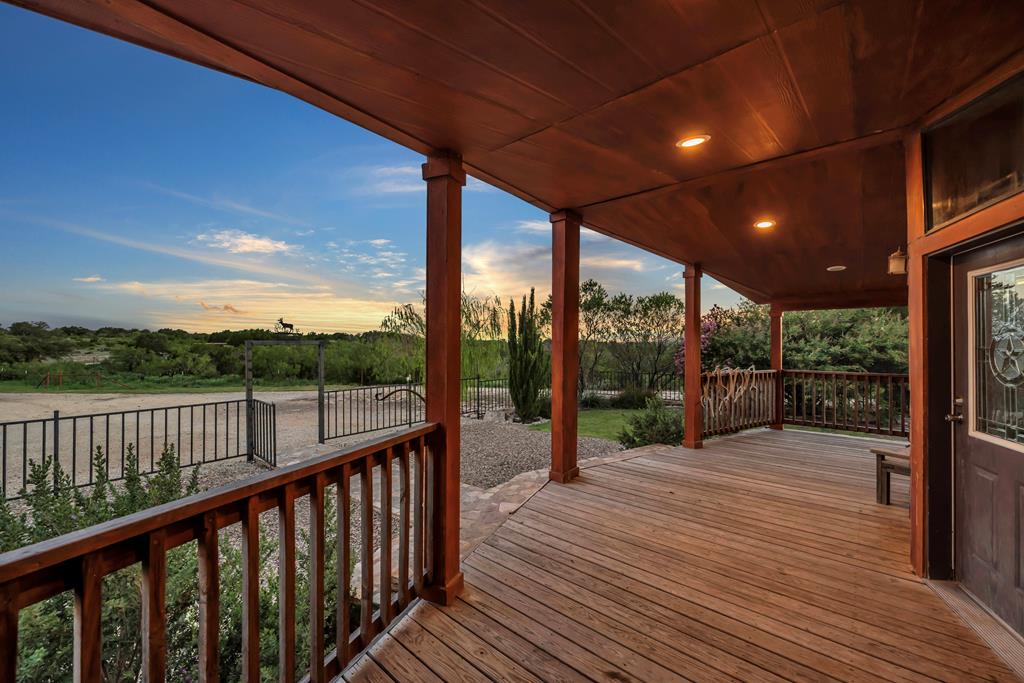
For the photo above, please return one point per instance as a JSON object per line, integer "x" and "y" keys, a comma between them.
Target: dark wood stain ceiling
{"x": 574, "y": 104}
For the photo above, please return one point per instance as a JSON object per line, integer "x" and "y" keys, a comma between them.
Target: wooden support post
{"x": 917, "y": 350}
{"x": 445, "y": 179}
{"x": 776, "y": 362}
{"x": 565, "y": 324}
{"x": 693, "y": 422}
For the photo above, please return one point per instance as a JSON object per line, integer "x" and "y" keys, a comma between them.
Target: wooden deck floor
{"x": 762, "y": 557}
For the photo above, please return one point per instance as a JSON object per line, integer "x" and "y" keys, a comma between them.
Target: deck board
{"x": 762, "y": 557}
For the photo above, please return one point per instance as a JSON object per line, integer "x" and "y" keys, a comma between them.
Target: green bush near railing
{"x": 653, "y": 425}
{"x": 45, "y": 629}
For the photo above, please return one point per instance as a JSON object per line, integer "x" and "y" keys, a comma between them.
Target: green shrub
{"x": 594, "y": 400}
{"x": 632, "y": 398}
{"x": 45, "y": 629}
{"x": 656, "y": 424}
{"x": 545, "y": 406}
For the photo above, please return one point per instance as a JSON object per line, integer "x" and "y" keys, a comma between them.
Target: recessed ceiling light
{"x": 836, "y": 269}
{"x": 693, "y": 141}
{"x": 764, "y": 224}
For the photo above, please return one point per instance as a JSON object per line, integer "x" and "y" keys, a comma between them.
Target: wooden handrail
{"x": 78, "y": 561}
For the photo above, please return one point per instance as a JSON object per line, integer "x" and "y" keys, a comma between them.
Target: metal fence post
{"x": 408, "y": 399}
{"x": 479, "y": 413}
{"x": 56, "y": 450}
{"x": 249, "y": 441}
{"x": 321, "y": 354}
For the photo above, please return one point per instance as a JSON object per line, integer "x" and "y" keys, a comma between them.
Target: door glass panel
{"x": 998, "y": 353}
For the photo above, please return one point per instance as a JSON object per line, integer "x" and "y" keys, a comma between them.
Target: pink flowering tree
{"x": 710, "y": 323}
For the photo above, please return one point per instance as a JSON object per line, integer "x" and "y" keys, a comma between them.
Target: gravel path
{"x": 494, "y": 452}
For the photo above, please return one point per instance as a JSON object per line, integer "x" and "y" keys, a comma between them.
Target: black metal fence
{"x": 199, "y": 433}
{"x": 608, "y": 384}
{"x": 360, "y": 410}
{"x": 264, "y": 432}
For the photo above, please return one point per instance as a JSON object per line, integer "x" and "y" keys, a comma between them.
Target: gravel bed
{"x": 494, "y": 452}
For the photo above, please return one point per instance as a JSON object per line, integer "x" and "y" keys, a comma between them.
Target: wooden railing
{"x": 79, "y": 561}
{"x": 737, "y": 399}
{"x": 876, "y": 403}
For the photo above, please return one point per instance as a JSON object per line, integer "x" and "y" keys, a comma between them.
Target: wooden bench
{"x": 889, "y": 461}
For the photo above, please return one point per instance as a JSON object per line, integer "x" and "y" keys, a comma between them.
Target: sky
{"x": 139, "y": 190}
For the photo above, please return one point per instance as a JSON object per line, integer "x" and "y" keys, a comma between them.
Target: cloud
{"x": 186, "y": 304}
{"x": 91, "y": 278}
{"x": 177, "y": 252}
{"x": 226, "y": 308}
{"x": 590, "y": 235}
{"x": 542, "y": 227}
{"x": 498, "y": 268}
{"x": 718, "y": 285}
{"x": 392, "y": 180}
{"x": 534, "y": 226}
{"x": 400, "y": 180}
{"x": 238, "y": 242}
{"x": 613, "y": 263}
{"x": 223, "y": 204}
{"x": 379, "y": 242}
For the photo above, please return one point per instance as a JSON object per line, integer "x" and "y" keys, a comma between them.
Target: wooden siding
{"x": 762, "y": 557}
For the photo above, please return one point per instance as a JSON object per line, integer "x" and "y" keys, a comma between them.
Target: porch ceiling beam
{"x": 861, "y": 299}
{"x": 445, "y": 178}
{"x": 565, "y": 317}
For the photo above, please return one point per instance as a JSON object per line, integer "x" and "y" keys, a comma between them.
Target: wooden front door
{"x": 988, "y": 411}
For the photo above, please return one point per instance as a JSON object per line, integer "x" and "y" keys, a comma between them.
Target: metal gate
{"x": 263, "y": 434}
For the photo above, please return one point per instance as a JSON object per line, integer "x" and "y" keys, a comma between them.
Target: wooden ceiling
{"x": 574, "y": 104}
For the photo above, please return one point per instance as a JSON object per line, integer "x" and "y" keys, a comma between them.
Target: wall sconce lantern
{"x": 898, "y": 262}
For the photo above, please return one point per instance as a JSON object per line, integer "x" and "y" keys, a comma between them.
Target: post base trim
{"x": 693, "y": 444}
{"x": 564, "y": 477}
{"x": 446, "y": 594}
{"x": 778, "y": 427}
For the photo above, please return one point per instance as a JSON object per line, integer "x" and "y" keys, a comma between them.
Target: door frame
{"x": 938, "y": 485}
{"x": 930, "y": 353}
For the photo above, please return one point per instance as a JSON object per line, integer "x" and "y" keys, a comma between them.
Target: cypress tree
{"x": 528, "y": 366}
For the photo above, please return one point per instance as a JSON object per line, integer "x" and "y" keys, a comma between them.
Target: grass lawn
{"x": 599, "y": 423}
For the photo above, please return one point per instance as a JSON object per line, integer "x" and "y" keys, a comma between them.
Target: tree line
{"x": 638, "y": 339}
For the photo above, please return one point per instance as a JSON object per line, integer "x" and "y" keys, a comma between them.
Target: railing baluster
{"x": 403, "y": 531}
{"x": 251, "y": 593}
{"x": 154, "y": 609}
{"x": 209, "y": 600}
{"x": 344, "y": 568}
{"x": 430, "y": 508}
{"x": 366, "y": 551}
{"x": 417, "y": 519}
{"x": 385, "y": 538}
{"x": 88, "y": 638}
{"x": 286, "y": 585}
{"x": 316, "y": 579}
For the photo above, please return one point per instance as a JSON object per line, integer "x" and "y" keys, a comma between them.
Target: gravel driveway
{"x": 494, "y": 452}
